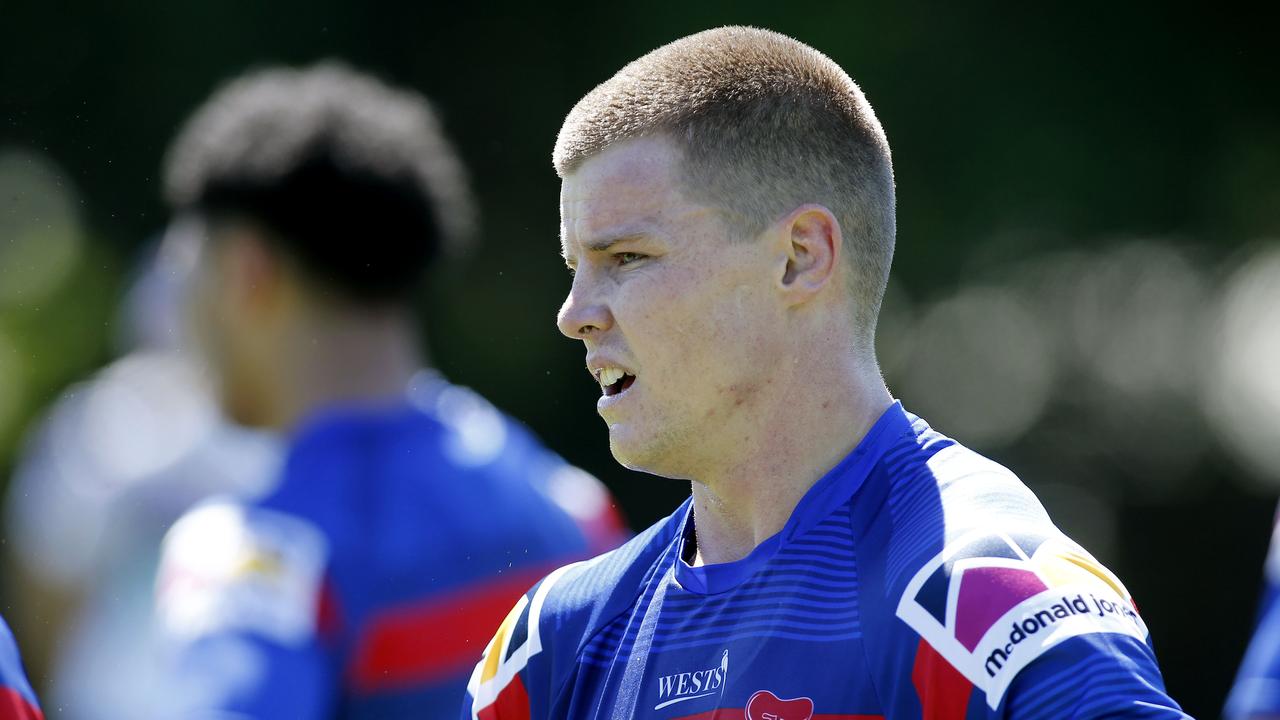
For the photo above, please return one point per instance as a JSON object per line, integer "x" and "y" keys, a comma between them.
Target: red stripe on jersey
{"x": 328, "y": 612}
{"x": 437, "y": 639}
{"x": 15, "y": 707}
{"x": 739, "y": 714}
{"x": 944, "y": 692}
{"x": 512, "y": 703}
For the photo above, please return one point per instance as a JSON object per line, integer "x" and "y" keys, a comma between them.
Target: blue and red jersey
{"x": 17, "y": 700}
{"x": 916, "y": 580}
{"x": 1256, "y": 692}
{"x": 366, "y": 582}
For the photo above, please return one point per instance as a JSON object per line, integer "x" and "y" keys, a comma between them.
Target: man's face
{"x": 663, "y": 293}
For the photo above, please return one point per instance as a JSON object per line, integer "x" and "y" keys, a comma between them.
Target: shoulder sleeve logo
{"x": 225, "y": 567}
{"x": 990, "y": 603}
{"x": 496, "y": 689}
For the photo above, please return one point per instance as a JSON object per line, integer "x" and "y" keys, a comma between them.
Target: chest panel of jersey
{"x": 782, "y": 644}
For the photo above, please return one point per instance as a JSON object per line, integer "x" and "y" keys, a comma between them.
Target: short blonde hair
{"x": 765, "y": 124}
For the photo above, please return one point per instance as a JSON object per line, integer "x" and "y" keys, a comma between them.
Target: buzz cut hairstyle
{"x": 764, "y": 124}
{"x": 352, "y": 179}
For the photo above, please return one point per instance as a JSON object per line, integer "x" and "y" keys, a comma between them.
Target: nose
{"x": 583, "y": 315}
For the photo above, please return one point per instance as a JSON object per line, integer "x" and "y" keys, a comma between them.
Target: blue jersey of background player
{"x": 409, "y": 514}
{"x": 17, "y": 701}
{"x": 727, "y": 210}
{"x": 1256, "y": 694}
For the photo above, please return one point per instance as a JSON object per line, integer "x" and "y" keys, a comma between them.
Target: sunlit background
{"x": 1086, "y": 287}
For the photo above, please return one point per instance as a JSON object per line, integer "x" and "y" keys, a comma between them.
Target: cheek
{"x": 740, "y": 335}
{"x": 199, "y": 311}
{"x": 703, "y": 335}
{"x": 212, "y": 320}
{"x": 672, "y": 319}
{"x": 735, "y": 317}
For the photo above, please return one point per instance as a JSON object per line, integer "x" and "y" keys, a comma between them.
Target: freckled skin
{"x": 691, "y": 317}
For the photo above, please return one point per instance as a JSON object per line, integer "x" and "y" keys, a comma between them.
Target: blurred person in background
{"x": 409, "y": 513}
{"x": 727, "y": 215}
{"x": 116, "y": 460}
{"x": 1256, "y": 693}
{"x": 17, "y": 701}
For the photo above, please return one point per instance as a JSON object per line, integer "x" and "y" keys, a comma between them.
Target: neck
{"x": 344, "y": 357}
{"x": 822, "y": 415}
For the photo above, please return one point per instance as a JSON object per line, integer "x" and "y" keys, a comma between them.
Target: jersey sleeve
{"x": 1027, "y": 625}
{"x": 1256, "y": 692}
{"x": 512, "y": 666}
{"x": 1094, "y": 675}
{"x": 243, "y": 611}
{"x": 17, "y": 700}
{"x": 1257, "y": 686}
{"x": 519, "y": 675}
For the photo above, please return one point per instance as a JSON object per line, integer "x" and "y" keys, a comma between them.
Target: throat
{"x": 689, "y": 553}
{"x": 716, "y": 534}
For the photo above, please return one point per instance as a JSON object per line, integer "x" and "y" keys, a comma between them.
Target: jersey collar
{"x": 829, "y": 493}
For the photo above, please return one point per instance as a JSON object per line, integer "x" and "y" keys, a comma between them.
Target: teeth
{"x": 610, "y": 375}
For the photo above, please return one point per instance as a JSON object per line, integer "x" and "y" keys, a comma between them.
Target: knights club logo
{"x": 992, "y": 602}
{"x": 764, "y": 705}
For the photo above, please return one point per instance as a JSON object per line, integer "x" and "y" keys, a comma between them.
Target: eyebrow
{"x": 603, "y": 244}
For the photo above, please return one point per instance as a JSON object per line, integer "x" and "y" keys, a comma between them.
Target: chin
{"x": 239, "y": 415}
{"x": 648, "y": 455}
{"x": 241, "y": 410}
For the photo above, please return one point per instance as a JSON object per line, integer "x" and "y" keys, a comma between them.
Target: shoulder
{"x": 538, "y": 643}
{"x": 996, "y": 598}
{"x": 578, "y": 599}
{"x": 475, "y": 435}
{"x": 591, "y": 593}
{"x": 234, "y": 566}
{"x": 934, "y": 491}
{"x": 471, "y": 431}
{"x": 974, "y": 568}
{"x": 13, "y": 680}
{"x": 964, "y": 486}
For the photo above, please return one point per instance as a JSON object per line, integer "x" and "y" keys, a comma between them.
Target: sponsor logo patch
{"x": 764, "y": 705}
{"x": 990, "y": 603}
{"x": 685, "y": 686}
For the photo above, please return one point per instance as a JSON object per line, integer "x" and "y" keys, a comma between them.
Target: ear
{"x": 813, "y": 245}
{"x": 253, "y": 274}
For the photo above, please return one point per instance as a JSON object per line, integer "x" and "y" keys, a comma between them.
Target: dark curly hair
{"x": 350, "y": 177}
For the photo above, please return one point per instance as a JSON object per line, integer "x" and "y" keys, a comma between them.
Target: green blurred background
{"x": 1084, "y": 288}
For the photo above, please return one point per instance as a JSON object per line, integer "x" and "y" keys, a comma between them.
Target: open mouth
{"x": 615, "y": 381}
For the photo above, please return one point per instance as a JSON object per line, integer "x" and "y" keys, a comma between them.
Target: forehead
{"x": 630, "y": 188}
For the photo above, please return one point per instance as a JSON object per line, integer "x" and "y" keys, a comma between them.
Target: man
{"x": 116, "y": 460}
{"x": 727, "y": 212}
{"x": 1256, "y": 694}
{"x": 17, "y": 701}
{"x": 409, "y": 513}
